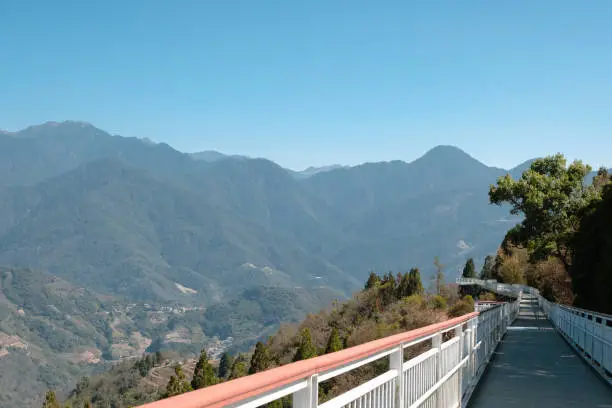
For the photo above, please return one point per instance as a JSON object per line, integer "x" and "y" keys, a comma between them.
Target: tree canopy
{"x": 469, "y": 270}
{"x": 260, "y": 361}
{"x": 225, "y": 365}
{"x": 416, "y": 285}
{"x": 51, "y": 400}
{"x": 591, "y": 270}
{"x": 333, "y": 343}
{"x": 305, "y": 349}
{"x": 203, "y": 373}
{"x": 487, "y": 268}
{"x": 238, "y": 368}
{"x": 177, "y": 384}
{"x": 551, "y": 196}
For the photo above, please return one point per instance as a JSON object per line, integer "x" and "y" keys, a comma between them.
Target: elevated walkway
{"x": 534, "y": 366}
{"x": 523, "y": 353}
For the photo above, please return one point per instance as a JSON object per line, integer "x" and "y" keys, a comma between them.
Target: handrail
{"x": 589, "y": 333}
{"x": 230, "y": 392}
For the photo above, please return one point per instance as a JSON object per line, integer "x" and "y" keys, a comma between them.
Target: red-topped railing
{"x": 445, "y": 370}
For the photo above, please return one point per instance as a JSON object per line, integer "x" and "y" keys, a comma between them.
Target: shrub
{"x": 464, "y": 306}
{"x": 438, "y": 302}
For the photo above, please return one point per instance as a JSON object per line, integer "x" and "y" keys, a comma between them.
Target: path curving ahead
{"x": 534, "y": 367}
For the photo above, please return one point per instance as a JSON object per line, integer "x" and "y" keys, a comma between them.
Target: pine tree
{"x": 225, "y": 365}
{"x": 333, "y": 343}
{"x": 415, "y": 284}
{"x": 439, "y": 275}
{"x": 203, "y": 373}
{"x": 51, "y": 400}
{"x": 389, "y": 278}
{"x": 260, "y": 360}
{"x": 305, "y": 349}
{"x": 403, "y": 287}
{"x": 177, "y": 384}
{"x": 469, "y": 270}
{"x": 238, "y": 368}
{"x": 487, "y": 268}
{"x": 373, "y": 280}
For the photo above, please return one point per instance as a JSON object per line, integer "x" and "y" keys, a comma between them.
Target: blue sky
{"x": 319, "y": 81}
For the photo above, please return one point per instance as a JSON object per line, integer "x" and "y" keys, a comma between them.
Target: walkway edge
{"x": 600, "y": 373}
{"x": 481, "y": 372}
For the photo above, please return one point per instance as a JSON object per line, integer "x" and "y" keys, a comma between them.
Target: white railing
{"x": 511, "y": 289}
{"x": 589, "y": 333}
{"x": 451, "y": 358}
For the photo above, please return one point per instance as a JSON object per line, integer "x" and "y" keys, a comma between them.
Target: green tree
{"x": 403, "y": 286}
{"x": 551, "y": 197}
{"x": 373, "y": 281}
{"x": 203, "y": 373}
{"x": 415, "y": 284}
{"x": 389, "y": 279}
{"x": 438, "y": 302}
{"x": 439, "y": 275}
{"x": 469, "y": 270}
{"x": 225, "y": 365}
{"x": 591, "y": 269}
{"x": 238, "y": 368}
{"x": 305, "y": 349}
{"x": 177, "y": 384}
{"x": 260, "y": 361}
{"x": 463, "y": 306}
{"x": 333, "y": 343}
{"x": 158, "y": 358}
{"x": 51, "y": 400}
{"x": 487, "y": 268}
{"x": 87, "y": 404}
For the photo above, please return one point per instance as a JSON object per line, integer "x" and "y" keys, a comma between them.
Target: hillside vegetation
{"x": 128, "y": 217}
{"x": 387, "y": 305}
{"x": 562, "y": 246}
{"x": 53, "y": 332}
{"x": 180, "y": 251}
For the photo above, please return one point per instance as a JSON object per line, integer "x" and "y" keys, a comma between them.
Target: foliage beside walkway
{"x": 388, "y": 304}
{"x": 563, "y": 245}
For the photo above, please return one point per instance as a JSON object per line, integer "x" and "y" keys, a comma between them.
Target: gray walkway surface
{"x": 534, "y": 367}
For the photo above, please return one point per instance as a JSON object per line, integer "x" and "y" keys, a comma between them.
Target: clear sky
{"x": 319, "y": 81}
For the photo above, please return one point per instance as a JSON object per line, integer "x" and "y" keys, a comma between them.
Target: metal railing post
{"x": 396, "y": 362}
{"x": 459, "y": 334}
{"x": 436, "y": 342}
{"x": 307, "y": 397}
{"x": 473, "y": 356}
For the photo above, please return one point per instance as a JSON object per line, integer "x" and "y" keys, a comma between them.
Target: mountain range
{"x": 125, "y": 216}
{"x": 242, "y": 242}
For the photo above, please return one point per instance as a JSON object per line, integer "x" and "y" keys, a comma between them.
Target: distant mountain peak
{"x": 312, "y": 170}
{"x": 447, "y": 151}
{"x": 448, "y": 155}
{"x": 68, "y": 123}
{"x": 213, "y": 156}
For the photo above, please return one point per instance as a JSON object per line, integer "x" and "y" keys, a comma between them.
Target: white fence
{"x": 444, "y": 362}
{"x": 501, "y": 288}
{"x": 589, "y": 333}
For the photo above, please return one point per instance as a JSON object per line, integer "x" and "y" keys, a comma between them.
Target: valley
{"x": 113, "y": 247}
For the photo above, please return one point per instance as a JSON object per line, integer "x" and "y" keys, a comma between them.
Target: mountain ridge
{"x": 213, "y": 155}
{"x": 245, "y": 239}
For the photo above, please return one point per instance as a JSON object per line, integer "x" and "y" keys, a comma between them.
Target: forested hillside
{"x": 563, "y": 245}
{"x": 237, "y": 245}
{"x": 387, "y": 305}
